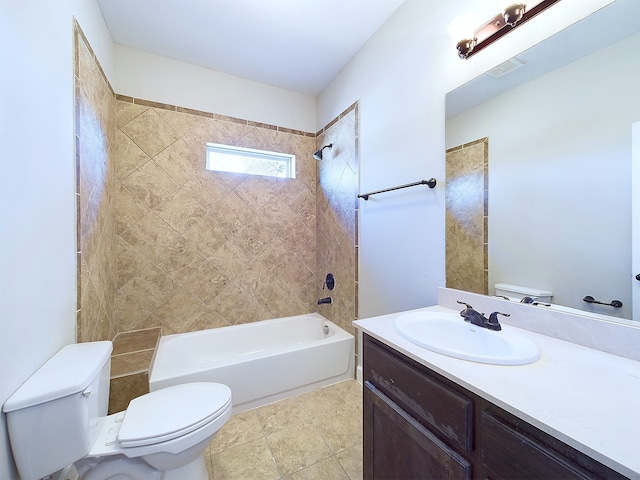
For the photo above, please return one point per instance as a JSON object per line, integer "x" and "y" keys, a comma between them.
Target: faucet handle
{"x": 467, "y": 310}
{"x": 464, "y": 303}
{"x": 493, "y": 318}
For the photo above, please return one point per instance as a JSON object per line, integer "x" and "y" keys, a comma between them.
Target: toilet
{"x": 59, "y": 417}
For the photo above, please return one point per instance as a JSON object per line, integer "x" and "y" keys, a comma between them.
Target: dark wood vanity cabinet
{"x": 420, "y": 425}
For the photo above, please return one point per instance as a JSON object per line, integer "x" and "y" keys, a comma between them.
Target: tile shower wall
{"x": 95, "y": 109}
{"x": 200, "y": 249}
{"x": 162, "y": 242}
{"x": 466, "y": 206}
{"x": 337, "y": 217}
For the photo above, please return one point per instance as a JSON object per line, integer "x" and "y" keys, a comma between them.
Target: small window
{"x": 225, "y": 158}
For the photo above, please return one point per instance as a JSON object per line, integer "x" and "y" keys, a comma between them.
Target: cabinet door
{"x": 396, "y": 446}
{"x": 509, "y": 454}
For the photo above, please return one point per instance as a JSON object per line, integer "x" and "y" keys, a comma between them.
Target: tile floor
{"x": 316, "y": 435}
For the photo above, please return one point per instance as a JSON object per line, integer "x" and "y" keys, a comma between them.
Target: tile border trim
{"x": 215, "y": 116}
{"x": 339, "y": 117}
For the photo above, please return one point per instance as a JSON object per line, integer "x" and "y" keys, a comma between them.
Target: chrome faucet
{"x": 476, "y": 318}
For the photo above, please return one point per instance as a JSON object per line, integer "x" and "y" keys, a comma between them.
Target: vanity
{"x": 573, "y": 413}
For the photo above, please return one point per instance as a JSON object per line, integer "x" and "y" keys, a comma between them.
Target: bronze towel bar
{"x": 431, "y": 183}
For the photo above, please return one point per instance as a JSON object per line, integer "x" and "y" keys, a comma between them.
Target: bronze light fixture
{"x": 501, "y": 24}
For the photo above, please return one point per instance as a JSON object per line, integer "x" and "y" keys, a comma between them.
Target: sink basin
{"x": 449, "y": 334}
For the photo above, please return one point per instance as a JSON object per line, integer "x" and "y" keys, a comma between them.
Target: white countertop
{"x": 587, "y": 398}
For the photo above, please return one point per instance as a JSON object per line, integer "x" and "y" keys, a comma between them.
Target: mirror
{"x": 558, "y": 141}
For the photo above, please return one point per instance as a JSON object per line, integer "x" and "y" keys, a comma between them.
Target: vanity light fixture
{"x": 501, "y": 24}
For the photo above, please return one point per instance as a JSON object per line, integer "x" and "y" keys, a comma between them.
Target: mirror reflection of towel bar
{"x": 613, "y": 303}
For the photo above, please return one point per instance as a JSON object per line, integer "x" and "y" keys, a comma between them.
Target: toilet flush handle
{"x": 87, "y": 391}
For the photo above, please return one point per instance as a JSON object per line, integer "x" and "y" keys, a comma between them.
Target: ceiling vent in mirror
{"x": 505, "y": 67}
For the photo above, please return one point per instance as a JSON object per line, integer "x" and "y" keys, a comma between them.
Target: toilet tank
{"x": 517, "y": 292}
{"x": 53, "y": 418}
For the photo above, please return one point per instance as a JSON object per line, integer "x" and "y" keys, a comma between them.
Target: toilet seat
{"x": 172, "y": 412}
{"x": 106, "y": 433}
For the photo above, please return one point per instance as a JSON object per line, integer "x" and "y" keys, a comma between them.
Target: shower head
{"x": 318, "y": 154}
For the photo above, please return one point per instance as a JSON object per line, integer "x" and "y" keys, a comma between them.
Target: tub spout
{"x": 327, "y": 300}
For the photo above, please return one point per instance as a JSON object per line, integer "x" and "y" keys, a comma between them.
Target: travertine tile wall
{"x": 337, "y": 217}
{"x": 200, "y": 249}
{"x": 164, "y": 243}
{"x": 466, "y": 206}
{"x": 95, "y": 109}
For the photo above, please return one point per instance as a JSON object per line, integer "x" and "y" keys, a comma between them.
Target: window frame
{"x": 250, "y": 153}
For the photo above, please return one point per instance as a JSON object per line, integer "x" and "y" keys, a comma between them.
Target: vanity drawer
{"x": 518, "y": 450}
{"x": 435, "y": 405}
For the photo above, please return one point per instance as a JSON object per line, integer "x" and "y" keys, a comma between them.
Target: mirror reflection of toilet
{"x": 59, "y": 416}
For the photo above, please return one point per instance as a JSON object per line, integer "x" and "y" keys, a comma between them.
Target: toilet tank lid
{"x": 534, "y": 292}
{"x": 69, "y": 371}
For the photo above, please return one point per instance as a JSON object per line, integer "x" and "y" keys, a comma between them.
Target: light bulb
{"x": 513, "y": 13}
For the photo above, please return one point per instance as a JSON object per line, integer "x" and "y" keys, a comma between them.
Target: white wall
{"x": 152, "y": 77}
{"x": 559, "y": 184}
{"x": 400, "y": 77}
{"x": 37, "y": 185}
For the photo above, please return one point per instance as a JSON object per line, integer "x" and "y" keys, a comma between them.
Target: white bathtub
{"x": 261, "y": 362}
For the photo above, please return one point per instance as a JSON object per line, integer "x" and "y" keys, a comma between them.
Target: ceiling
{"x": 298, "y": 45}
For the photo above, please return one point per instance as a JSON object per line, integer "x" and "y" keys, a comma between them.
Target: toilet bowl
{"x": 59, "y": 417}
{"x": 167, "y": 429}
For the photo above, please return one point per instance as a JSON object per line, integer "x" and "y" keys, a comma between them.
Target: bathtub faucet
{"x": 327, "y": 300}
